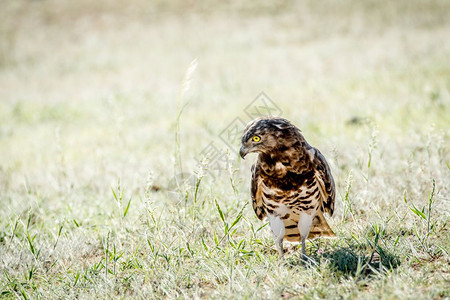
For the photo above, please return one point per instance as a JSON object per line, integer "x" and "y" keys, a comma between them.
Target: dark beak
{"x": 243, "y": 152}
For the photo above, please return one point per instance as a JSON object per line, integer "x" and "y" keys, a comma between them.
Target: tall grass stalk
{"x": 185, "y": 86}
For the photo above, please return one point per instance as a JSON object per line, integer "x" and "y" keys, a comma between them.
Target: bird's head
{"x": 264, "y": 135}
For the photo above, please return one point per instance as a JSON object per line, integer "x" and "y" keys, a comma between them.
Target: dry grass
{"x": 89, "y": 118}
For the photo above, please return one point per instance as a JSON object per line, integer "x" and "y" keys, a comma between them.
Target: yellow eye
{"x": 256, "y": 138}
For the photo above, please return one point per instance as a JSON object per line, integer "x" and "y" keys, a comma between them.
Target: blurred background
{"x": 92, "y": 93}
{"x": 95, "y": 85}
{"x": 134, "y": 95}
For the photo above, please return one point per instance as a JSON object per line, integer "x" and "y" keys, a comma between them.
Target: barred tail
{"x": 319, "y": 228}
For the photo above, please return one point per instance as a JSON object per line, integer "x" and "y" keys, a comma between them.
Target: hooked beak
{"x": 243, "y": 152}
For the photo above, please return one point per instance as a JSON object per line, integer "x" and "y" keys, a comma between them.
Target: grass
{"x": 107, "y": 107}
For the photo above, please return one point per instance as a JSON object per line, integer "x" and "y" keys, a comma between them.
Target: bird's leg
{"x": 304, "y": 226}
{"x": 304, "y": 247}
{"x": 278, "y": 230}
{"x": 279, "y": 244}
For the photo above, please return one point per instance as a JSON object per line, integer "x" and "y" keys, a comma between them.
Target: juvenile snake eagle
{"x": 291, "y": 183}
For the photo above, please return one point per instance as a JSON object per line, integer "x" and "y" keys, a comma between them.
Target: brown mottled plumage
{"x": 291, "y": 184}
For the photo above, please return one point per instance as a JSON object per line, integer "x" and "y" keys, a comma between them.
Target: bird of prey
{"x": 291, "y": 182}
